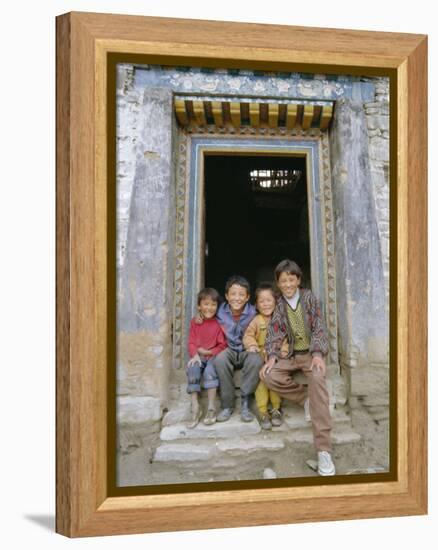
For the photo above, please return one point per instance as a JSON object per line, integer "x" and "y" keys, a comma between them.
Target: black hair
{"x": 289, "y": 267}
{"x": 265, "y": 286}
{"x": 237, "y": 280}
{"x": 211, "y": 293}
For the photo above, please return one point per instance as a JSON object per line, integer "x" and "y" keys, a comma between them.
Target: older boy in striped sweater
{"x": 298, "y": 318}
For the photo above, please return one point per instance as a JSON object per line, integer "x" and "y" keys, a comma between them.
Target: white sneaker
{"x": 307, "y": 416}
{"x": 325, "y": 464}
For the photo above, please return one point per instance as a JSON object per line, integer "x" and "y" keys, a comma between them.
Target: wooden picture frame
{"x": 85, "y": 505}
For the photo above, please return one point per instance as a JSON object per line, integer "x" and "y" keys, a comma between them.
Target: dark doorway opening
{"x": 256, "y": 215}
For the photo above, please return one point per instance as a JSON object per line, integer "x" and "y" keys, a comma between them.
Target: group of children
{"x": 268, "y": 342}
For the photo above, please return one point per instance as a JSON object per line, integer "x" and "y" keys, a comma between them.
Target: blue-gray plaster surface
{"x": 144, "y": 303}
{"x": 362, "y": 304}
{"x": 252, "y": 83}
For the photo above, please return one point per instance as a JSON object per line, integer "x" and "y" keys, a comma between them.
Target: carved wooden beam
{"x": 293, "y": 114}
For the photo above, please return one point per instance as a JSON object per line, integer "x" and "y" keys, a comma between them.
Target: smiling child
{"x": 206, "y": 339}
{"x": 254, "y": 341}
{"x": 234, "y": 316}
{"x": 298, "y": 318}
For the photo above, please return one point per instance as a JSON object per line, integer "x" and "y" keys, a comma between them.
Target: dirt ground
{"x": 369, "y": 455}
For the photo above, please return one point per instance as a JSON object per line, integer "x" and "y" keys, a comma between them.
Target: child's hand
{"x": 253, "y": 349}
{"x": 204, "y": 351}
{"x": 267, "y": 368}
{"x": 193, "y": 360}
{"x": 198, "y": 319}
{"x": 318, "y": 364}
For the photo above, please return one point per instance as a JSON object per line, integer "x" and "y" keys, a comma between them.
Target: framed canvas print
{"x": 239, "y": 210}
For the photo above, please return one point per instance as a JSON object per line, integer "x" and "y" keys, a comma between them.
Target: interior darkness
{"x": 248, "y": 232}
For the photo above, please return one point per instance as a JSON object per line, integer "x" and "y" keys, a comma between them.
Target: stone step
{"x": 262, "y": 442}
{"x": 183, "y": 451}
{"x": 294, "y": 417}
{"x": 339, "y": 437}
{"x": 230, "y": 429}
{"x": 217, "y": 451}
{"x": 179, "y": 414}
{"x": 236, "y": 438}
{"x": 211, "y": 444}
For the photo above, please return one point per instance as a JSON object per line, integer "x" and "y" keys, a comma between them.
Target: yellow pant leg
{"x": 262, "y": 397}
{"x": 275, "y": 399}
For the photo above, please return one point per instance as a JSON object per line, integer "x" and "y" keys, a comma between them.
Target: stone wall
{"x": 145, "y": 260}
{"x": 377, "y": 114}
{"x": 375, "y": 383}
{"x": 129, "y": 126}
{"x": 360, "y": 155}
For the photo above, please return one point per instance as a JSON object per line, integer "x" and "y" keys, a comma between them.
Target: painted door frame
{"x": 190, "y": 216}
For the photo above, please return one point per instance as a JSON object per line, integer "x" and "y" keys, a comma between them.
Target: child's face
{"x": 207, "y": 308}
{"x": 265, "y": 302}
{"x": 288, "y": 284}
{"x": 237, "y": 296}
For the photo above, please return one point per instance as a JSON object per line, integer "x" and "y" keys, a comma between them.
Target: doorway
{"x": 226, "y": 224}
{"x": 256, "y": 214}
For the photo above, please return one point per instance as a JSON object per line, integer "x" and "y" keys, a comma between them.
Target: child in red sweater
{"x": 206, "y": 340}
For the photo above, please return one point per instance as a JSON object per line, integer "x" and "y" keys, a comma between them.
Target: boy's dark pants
{"x": 280, "y": 379}
{"x": 226, "y": 363}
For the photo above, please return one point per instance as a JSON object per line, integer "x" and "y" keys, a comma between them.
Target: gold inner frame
{"x": 235, "y": 496}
